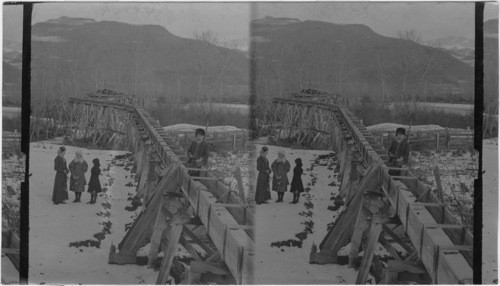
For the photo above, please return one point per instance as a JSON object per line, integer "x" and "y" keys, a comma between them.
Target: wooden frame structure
{"x": 443, "y": 246}
{"x": 176, "y": 204}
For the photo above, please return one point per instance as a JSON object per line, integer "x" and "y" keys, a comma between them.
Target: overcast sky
{"x": 230, "y": 20}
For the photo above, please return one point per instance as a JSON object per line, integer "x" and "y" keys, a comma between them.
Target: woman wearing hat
{"x": 280, "y": 168}
{"x": 94, "y": 184}
{"x": 78, "y": 167}
{"x": 60, "y": 191}
{"x": 262, "y": 193}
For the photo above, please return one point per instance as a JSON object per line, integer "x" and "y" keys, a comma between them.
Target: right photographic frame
{"x": 365, "y": 122}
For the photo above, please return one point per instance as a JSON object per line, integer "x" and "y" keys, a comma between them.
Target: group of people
{"x": 398, "y": 158}
{"x": 77, "y": 182}
{"x": 279, "y": 168}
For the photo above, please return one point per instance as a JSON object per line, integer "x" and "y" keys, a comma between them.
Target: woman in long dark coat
{"x": 262, "y": 193}
{"x": 297, "y": 186}
{"x": 78, "y": 167}
{"x": 94, "y": 184}
{"x": 280, "y": 168}
{"x": 60, "y": 191}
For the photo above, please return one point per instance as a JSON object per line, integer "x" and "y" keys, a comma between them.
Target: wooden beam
{"x": 359, "y": 228}
{"x": 189, "y": 247}
{"x": 159, "y": 226}
{"x": 169, "y": 253}
{"x": 375, "y": 230}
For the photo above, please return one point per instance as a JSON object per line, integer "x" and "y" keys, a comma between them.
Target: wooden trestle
{"x": 376, "y": 200}
{"x": 175, "y": 204}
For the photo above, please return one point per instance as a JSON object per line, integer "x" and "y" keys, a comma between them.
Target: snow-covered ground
{"x": 183, "y": 127}
{"x": 54, "y": 227}
{"x": 490, "y": 211}
{"x": 13, "y": 169}
{"x": 457, "y": 173}
{"x": 386, "y": 127}
{"x": 278, "y": 222}
{"x": 224, "y": 166}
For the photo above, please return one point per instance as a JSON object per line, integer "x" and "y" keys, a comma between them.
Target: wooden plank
{"x": 159, "y": 226}
{"x": 169, "y": 253}
{"x": 375, "y": 230}
{"x": 187, "y": 245}
{"x": 359, "y": 228}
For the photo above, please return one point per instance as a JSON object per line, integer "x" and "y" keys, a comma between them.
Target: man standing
{"x": 399, "y": 151}
{"x": 198, "y": 153}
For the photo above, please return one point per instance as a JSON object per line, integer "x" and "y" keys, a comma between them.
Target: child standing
{"x": 297, "y": 187}
{"x": 94, "y": 184}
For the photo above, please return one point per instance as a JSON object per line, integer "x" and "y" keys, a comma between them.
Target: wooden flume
{"x": 177, "y": 208}
{"x": 377, "y": 204}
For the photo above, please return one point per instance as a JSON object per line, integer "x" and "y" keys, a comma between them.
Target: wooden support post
{"x": 359, "y": 228}
{"x": 189, "y": 247}
{"x": 159, "y": 227}
{"x": 169, "y": 253}
{"x": 375, "y": 230}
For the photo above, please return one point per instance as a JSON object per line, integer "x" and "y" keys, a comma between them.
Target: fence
{"x": 435, "y": 139}
{"x": 11, "y": 142}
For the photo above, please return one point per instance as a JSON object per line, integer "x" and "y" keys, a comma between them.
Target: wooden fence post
{"x": 437, "y": 140}
{"x": 447, "y": 138}
{"x": 234, "y": 141}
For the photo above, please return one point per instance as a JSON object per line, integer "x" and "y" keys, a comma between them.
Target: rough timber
{"x": 177, "y": 203}
{"x": 436, "y": 238}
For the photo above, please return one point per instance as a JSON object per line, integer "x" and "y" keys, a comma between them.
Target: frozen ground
{"x": 54, "y": 227}
{"x": 490, "y": 211}
{"x": 277, "y": 223}
{"x": 13, "y": 169}
{"x": 233, "y": 168}
{"x": 183, "y": 127}
{"x": 457, "y": 173}
{"x": 392, "y": 127}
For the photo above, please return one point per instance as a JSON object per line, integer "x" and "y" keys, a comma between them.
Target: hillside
{"x": 459, "y": 47}
{"x": 491, "y": 66}
{"x": 11, "y": 85}
{"x": 78, "y": 55}
{"x": 350, "y": 59}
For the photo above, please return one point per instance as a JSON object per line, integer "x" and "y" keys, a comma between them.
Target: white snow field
{"x": 281, "y": 221}
{"x": 54, "y": 227}
{"x": 490, "y": 212}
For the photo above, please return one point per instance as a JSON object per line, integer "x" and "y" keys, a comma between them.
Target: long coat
{"x": 262, "y": 192}
{"x": 280, "y": 169}
{"x": 94, "y": 184}
{"x": 398, "y": 150}
{"x": 77, "y": 182}
{"x": 297, "y": 185}
{"x": 60, "y": 191}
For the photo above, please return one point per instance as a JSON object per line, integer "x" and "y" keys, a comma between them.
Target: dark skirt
{"x": 297, "y": 185}
{"x": 262, "y": 192}
{"x": 60, "y": 192}
{"x": 280, "y": 185}
{"x": 94, "y": 184}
